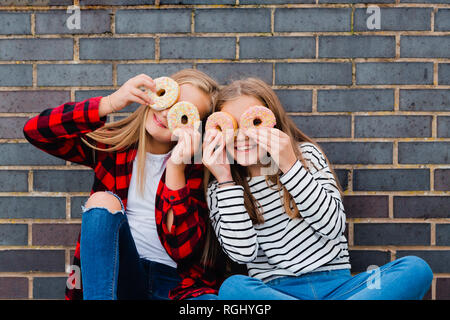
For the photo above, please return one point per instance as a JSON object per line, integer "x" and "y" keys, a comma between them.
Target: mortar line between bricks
{"x": 391, "y": 206}
{"x": 411, "y": 193}
{"x": 68, "y": 259}
{"x": 34, "y": 75}
{"x": 350, "y": 233}
{"x": 314, "y": 101}
{"x": 311, "y": 113}
{"x": 349, "y": 181}
{"x": 436, "y": 73}
{"x": 400, "y": 248}
{"x": 226, "y": 6}
{"x": 386, "y": 33}
{"x": 272, "y": 83}
{"x": 157, "y": 48}
{"x": 30, "y": 181}
{"x": 68, "y": 207}
{"x": 33, "y": 24}
{"x": 397, "y": 100}
{"x": 75, "y": 167}
{"x": 233, "y": 61}
{"x": 112, "y": 21}
{"x": 193, "y": 20}
{"x": 238, "y": 47}
{"x": 59, "y": 168}
{"x": 352, "y": 126}
{"x": 35, "y": 248}
{"x": 432, "y": 18}
{"x": 30, "y": 288}
{"x": 33, "y": 274}
{"x": 43, "y": 194}
{"x": 434, "y": 125}
{"x": 348, "y": 193}
{"x": 272, "y": 20}
{"x": 114, "y": 75}
{"x": 395, "y": 220}
{"x": 432, "y": 173}
{"x": 433, "y": 234}
{"x": 395, "y": 152}
{"x": 365, "y": 247}
{"x": 70, "y": 166}
{"x": 73, "y": 221}
{"x": 433, "y": 288}
{"x": 287, "y": 87}
{"x": 30, "y": 232}
{"x": 76, "y": 49}
{"x": 41, "y": 274}
{"x": 397, "y": 46}
{"x": 393, "y": 254}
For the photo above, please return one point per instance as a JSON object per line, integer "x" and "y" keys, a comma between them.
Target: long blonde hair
{"x": 260, "y": 90}
{"x": 131, "y": 132}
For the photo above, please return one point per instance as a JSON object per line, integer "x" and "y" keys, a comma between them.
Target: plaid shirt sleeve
{"x": 189, "y": 208}
{"x": 58, "y": 131}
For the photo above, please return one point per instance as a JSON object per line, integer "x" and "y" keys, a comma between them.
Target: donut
{"x": 221, "y": 121}
{"x": 167, "y": 93}
{"x": 183, "y": 115}
{"x": 256, "y": 117}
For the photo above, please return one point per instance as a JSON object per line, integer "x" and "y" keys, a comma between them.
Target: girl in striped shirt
{"x": 286, "y": 220}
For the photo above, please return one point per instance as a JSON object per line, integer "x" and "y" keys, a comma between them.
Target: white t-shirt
{"x": 141, "y": 210}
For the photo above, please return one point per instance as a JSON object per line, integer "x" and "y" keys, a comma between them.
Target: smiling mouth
{"x": 245, "y": 148}
{"x": 158, "y": 122}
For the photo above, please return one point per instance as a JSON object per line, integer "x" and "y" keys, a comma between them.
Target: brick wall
{"x": 378, "y": 101}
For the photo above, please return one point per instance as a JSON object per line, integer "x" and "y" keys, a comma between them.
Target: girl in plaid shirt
{"x": 142, "y": 233}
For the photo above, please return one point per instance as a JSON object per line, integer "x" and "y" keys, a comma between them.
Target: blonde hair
{"x": 260, "y": 90}
{"x": 128, "y": 132}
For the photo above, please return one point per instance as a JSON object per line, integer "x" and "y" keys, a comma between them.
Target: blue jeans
{"x": 111, "y": 268}
{"x": 407, "y": 278}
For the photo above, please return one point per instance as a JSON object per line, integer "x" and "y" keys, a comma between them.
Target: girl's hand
{"x": 215, "y": 156}
{"x": 277, "y": 144}
{"x": 188, "y": 144}
{"x": 128, "y": 93}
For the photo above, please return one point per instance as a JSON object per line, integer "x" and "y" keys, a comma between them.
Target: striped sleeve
{"x": 316, "y": 194}
{"x": 231, "y": 222}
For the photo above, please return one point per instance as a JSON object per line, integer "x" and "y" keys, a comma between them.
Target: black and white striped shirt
{"x": 282, "y": 246}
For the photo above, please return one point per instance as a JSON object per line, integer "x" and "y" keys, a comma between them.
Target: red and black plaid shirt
{"x": 58, "y": 132}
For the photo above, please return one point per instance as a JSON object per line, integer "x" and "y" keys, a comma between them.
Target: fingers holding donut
{"x": 277, "y": 144}
{"x": 188, "y": 144}
{"x": 215, "y": 155}
{"x": 128, "y": 93}
{"x": 143, "y": 81}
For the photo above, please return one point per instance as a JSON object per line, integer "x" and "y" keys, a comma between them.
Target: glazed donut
{"x": 257, "y": 116}
{"x": 183, "y": 115}
{"x": 167, "y": 93}
{"x": 221, "y": 121}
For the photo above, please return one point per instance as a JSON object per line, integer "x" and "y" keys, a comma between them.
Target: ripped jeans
{"x": 111, "y": 268}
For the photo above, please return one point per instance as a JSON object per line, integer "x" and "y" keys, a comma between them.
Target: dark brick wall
{"x": 376, "y": 100}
